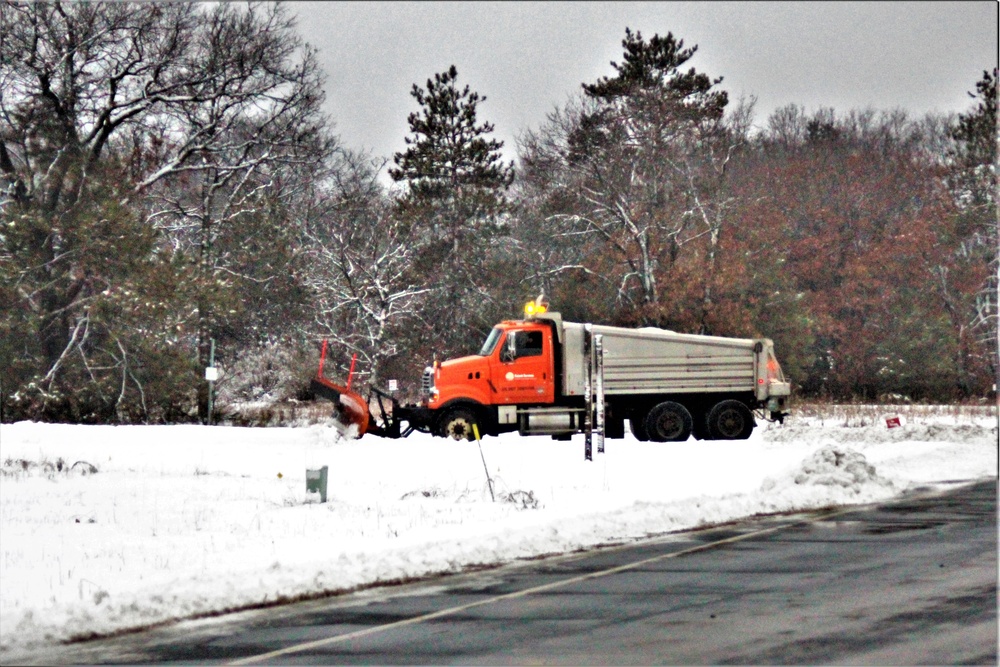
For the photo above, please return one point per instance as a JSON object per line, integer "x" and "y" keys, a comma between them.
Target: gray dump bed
{"x": 657, "y": 361}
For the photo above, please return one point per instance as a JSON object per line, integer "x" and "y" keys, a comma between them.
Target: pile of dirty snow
{"x": 835, "y": 474}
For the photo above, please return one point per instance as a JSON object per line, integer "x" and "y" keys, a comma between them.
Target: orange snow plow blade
{"x": 348, "y": 408}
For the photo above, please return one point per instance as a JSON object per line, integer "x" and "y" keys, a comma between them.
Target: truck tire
{"x": 669, "y": 422}
{"x": 638, "y": 426}
{"x": 456, "y": 423}
{"x": 730, "y": 420}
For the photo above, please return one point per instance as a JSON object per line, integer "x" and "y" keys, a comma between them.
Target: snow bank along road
{"x": 108, "y": 529}
{"x": 912, "y": 581}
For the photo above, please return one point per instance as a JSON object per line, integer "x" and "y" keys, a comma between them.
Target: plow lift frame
{"x": 390, "y": 423}
{"x": 351, "y": 409}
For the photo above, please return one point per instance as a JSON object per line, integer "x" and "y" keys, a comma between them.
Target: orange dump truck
{"x": 543, "y": 376}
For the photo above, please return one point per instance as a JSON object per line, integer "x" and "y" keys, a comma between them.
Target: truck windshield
{"x": 491, "y": 342}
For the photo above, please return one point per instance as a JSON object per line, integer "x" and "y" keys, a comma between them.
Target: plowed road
{"x": 912, "y": 581}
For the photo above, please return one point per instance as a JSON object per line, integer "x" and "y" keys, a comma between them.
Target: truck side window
{"x": 528, "y": 343}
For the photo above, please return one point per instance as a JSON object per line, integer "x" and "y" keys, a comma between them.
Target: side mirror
{"x": 509, "y": 351}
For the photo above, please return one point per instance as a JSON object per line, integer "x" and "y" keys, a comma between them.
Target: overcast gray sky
{"x": 528, "y": 58}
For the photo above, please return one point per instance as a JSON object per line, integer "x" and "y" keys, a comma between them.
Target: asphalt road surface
{"x": 913, "y": 581}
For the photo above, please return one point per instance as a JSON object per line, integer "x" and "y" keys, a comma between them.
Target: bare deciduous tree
{"x": 357, "y": 262}
{"x": 184, "y": 113}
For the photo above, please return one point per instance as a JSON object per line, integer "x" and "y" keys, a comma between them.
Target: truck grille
{"x": 427, "y": 382}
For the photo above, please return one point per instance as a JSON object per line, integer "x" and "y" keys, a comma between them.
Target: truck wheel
{"x": 638, "y": 426}
{"x": 669, "y": 422}
{"x": 457, "y": 424}
{"x": 730, "y": 420}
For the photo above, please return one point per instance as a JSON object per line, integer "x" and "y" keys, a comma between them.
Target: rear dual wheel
{"x": 730, "y": 420}
{"x": 669, "y": 421}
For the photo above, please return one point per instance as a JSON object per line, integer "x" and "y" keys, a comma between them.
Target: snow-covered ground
{"x": 104, "y": 528}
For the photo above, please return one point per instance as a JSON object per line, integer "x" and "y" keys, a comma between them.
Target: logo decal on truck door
{"x": 519, "y": 376}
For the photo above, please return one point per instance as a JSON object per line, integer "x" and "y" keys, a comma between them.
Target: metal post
{"x": 599, "y": 389}
{"x": 211, "y": 383}
{"x": 588, "y": 396}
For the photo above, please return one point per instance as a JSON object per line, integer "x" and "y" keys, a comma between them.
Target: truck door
{"x": 522, "y": 367}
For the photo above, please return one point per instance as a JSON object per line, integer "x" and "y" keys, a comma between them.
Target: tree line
{"x": 170, "y": 183}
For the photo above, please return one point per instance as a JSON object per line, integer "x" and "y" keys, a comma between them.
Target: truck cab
{"x": 515, "y": 366}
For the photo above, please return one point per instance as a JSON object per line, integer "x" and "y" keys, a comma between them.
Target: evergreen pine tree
{"x": 455, "y": 177}
{"x": 974, "y": 182}
{"x": 454, "y": 204}
{"x": 976, "y": 131}
{"x": 651, "y": 71}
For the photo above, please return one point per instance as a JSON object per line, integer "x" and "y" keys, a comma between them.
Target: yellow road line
{"x": 319, "y": 643}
